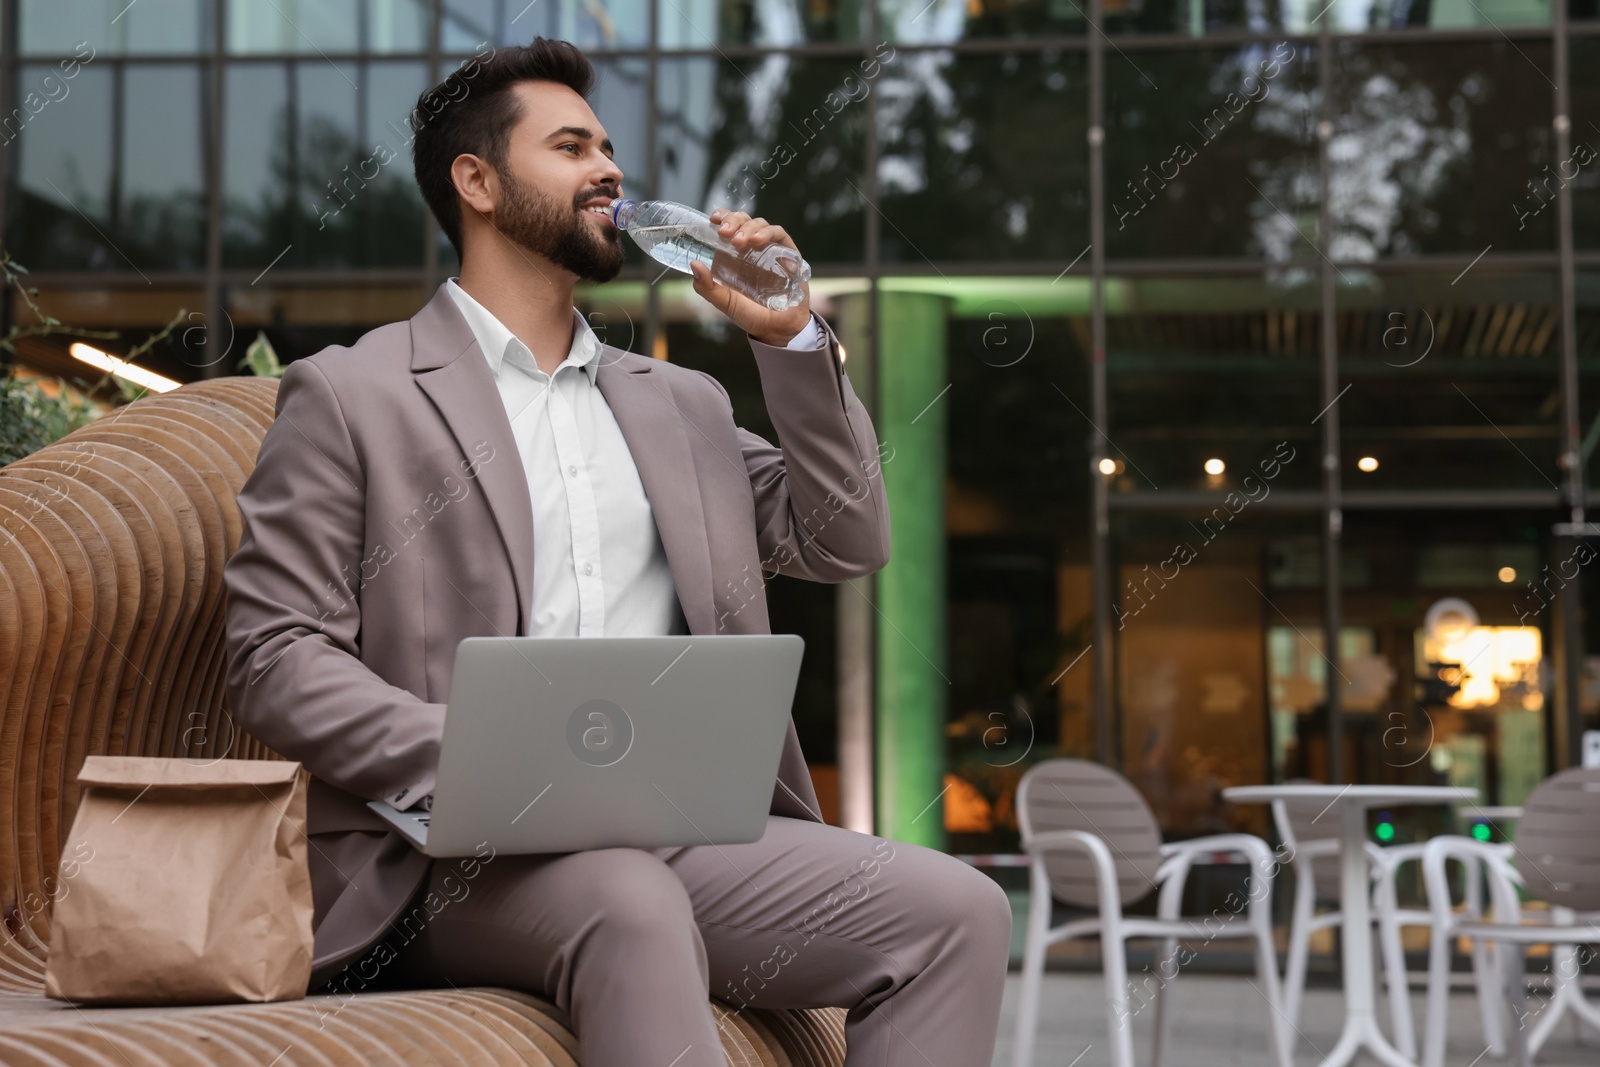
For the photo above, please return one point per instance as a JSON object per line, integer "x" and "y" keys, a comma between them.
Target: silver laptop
{"x": 558, "y": 744}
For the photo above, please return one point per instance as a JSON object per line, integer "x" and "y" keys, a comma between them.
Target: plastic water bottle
{"x": 677, "y": 235}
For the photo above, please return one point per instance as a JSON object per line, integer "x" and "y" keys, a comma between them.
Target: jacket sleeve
{"x": 295, "y": 679}
{"x": 821, "y": 512}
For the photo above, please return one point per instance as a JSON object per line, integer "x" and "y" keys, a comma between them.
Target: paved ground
{"x": 1219, "y": 1021}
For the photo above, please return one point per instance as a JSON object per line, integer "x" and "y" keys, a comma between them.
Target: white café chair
{"x": 1556, "y": 859}
{"x": 1093, "y": 842}
{"x": 1315, "y": 861}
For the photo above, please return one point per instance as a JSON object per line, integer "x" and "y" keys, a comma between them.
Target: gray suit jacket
{"x": 388, "y": 517}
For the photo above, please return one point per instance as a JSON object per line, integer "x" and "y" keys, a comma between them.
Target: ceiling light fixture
{"x": 132, "y": 372}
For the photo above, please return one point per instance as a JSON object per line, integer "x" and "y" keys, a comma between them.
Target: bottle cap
{"x": 622, "y": 213}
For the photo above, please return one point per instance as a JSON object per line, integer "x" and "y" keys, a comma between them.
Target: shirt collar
{"x": 497, "y": 341}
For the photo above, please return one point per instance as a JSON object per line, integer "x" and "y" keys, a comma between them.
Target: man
{"x": 489, "y": 468}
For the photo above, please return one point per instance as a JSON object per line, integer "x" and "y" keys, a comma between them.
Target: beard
{"x": 543, "y": 225}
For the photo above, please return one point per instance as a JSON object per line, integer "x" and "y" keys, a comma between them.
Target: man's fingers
{"x": 746, "y": 232}
{"x": 766, "y": 235}
{"x": 730, "y": 222}
{"x": 702, "y": 278}
{"x": 718, "y": 296}
{"x": 743, "y": 233}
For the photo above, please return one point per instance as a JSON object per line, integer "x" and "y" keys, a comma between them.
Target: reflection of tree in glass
{"x": 805, "y": 188}
{"x": 982, "y": 157}
{"x": 1393, "y": 153}
{"x": 339, "y": 204}
{"x": 1433, "y": 149}
{"x": 166, "y": 231}
{"x": 1219, "y": 161}
{"x": 1015, "y": 448}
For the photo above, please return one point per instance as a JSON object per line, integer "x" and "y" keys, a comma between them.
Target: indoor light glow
{"x": 1507, "y": 574}
{"x": 1215, "y": 466}
{"x": 1368, "y": 463}
{"x": 122, "y": 368}
{"x": 1491, "y": 657}
{"x": 1108, "y": 466}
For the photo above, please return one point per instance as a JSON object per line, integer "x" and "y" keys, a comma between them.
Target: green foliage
{"x": 30, "y": 418}
{"x": 262, "y": 358}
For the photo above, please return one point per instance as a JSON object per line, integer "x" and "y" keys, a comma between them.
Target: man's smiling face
{"x": 558, "y": 182}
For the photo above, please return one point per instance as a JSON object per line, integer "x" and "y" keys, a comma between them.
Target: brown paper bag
{"x": 197, "y": 890}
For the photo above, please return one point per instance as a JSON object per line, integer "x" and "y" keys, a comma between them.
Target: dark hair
{"x": 473, "y": 111}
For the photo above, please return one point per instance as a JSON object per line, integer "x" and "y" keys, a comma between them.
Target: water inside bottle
{"x": 677, "y": 248}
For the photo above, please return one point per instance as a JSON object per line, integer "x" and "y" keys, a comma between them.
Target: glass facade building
{"x": 1236, "y": 363}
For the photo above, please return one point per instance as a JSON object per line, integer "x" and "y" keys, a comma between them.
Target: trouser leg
{"x": 608, "y": 935}
{"x": 913, "y": 942}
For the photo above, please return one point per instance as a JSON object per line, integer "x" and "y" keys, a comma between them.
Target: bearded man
{"x": 490, "y": 468}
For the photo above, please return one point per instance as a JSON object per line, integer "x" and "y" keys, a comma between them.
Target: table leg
{"x": 1360, "y": 996}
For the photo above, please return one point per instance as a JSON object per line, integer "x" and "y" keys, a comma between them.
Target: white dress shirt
{"x": 599, "y": 568}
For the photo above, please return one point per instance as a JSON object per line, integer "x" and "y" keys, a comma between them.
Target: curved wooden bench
{"x": 112, "y": 542}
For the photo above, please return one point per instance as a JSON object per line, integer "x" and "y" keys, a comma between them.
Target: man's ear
{"x": 476, "y": 183}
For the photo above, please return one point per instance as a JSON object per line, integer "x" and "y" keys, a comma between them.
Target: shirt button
{"x": 588, "y": 568}
{"x": 573, "y": 470}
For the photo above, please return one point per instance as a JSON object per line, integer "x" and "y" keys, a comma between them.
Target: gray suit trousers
{"x": 629, "y": 943}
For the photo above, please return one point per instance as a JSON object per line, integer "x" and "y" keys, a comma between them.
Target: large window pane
{"x": 257, "y": 171}
{"x": 982, "y": 157}
{"x": 1464, "y": 703}
{"x": 329, "y": 184}
{"x": 1435, "y": 144}
{"x": 1480, "y": 14}
{"x": 63, "y": 207}
{"x": 323, "y": 26}
{"x": 1586, "y": 297}
{"x": 1364, "y": 16}
{"x": 1212, "y": 153}
{"x": 1196, "y": 614}
{"x": 468, "y": 25}
{"x": 1453, "y": 384}
{"x": 945, "y": 21}
{"x": 1589, "y": 593}
{"x": 772, "y": 23}
{"x": 620, "y": 102}
{"x": 114, "y": 27}
{"x": 780, "y": 137}
{"x": 1213, "y": 386}
{"x": 1017, "y": 555}
{"x": 942, "y": 21}
{"x": 161, "y": 206}
{"x": 1581, "y": 169}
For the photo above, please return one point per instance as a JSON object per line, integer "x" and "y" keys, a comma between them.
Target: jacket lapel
{"x": 451, "y": 368}
{"x": 657, "y": 434}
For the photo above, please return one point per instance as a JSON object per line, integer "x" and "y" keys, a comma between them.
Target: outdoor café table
{"x": 1361, "y": 1019}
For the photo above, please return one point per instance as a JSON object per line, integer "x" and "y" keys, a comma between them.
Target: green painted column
{"x": 912, "y": 689}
